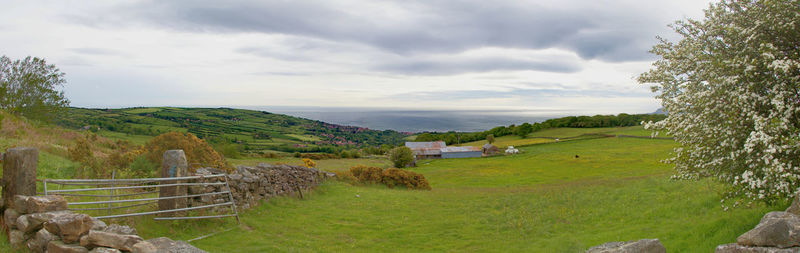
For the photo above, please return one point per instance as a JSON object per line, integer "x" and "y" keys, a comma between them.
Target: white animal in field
{"x": 511, "y": 150}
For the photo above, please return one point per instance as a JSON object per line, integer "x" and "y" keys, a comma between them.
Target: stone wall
{"x": 249, "y": 185}
{"x": 776, "y": 232}
{"x": 43, "y": 224}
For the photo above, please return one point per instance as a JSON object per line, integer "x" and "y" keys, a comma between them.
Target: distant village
{"x": 440, "y": 150}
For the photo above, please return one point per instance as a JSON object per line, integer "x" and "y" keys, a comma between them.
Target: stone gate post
{"x": 173, "y": 165}
{"x": 19, "y": 174}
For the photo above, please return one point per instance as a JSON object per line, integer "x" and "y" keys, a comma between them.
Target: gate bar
{"x": 135, "y": 187}
{"x": 147, "y": 199}
{"x": 164, "y": 211}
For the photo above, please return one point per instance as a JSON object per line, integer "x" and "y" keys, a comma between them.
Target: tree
{"x": 29, "y": 86}
{"x": 731, "y": 88}
{"x": 401, "y": 156}
{"x": 490, "y": 138}
{"x": 523, "y": 130}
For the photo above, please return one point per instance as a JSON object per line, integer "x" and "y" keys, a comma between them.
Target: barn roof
{"x": 460, "y": 149}
{"x": 425, "y": 145}
{"x": 427, "y": 151}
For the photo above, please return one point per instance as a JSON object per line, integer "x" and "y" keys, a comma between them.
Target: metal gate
{"x": 132, "y": 196}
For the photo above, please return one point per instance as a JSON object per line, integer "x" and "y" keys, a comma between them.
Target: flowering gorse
{"x": 731, "y": 87}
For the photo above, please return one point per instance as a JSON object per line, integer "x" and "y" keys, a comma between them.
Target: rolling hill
{"x": 255, "y": 130}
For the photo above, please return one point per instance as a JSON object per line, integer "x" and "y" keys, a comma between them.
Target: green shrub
{"x": 141, "y": 167}
{"x": 401, "y": 156}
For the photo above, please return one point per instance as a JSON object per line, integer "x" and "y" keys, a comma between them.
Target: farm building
{"x": 461, "y": 152}
{"x": 426, "y": 150}
{"x": 438, "y": 149}
{"x": 489, "y": 149}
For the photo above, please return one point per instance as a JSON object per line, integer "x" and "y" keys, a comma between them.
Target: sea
{"x": 407, "y": 120}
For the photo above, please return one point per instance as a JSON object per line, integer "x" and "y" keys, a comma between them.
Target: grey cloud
{"x": 466, "y": 65}
{"x": 592, "y": 30}
{"x": 526, "y": 93}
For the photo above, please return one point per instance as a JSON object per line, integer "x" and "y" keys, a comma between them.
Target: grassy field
{"x": 542, "y": 200}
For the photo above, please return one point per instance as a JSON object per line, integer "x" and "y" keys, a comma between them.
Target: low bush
{"x": 396, "y": 177}
{"x": 308, "y": 163}
{"x": 390, "y": 177}
{"x": 197, "y": 150}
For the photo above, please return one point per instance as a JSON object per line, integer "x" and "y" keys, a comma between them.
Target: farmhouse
{"x": 489, "y": 149}
{"x": 426, "y": 150}
{"x": 461, "y": 152}
{"x": 438, "y": 149}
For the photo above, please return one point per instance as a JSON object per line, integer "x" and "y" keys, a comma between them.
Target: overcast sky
{"x": 576, "y": 56}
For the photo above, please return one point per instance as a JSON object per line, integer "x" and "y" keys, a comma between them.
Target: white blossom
{"x": 731, "y": 88}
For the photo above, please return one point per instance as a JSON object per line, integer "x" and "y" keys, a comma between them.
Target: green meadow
{"x": 542, "y": 200}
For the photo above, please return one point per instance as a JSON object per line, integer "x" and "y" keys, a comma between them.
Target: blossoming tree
{"x": 731, "y": 87}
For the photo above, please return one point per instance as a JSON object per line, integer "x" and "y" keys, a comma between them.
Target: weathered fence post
{"x": 174, "y": 165}
{"x": 19, "y": 174}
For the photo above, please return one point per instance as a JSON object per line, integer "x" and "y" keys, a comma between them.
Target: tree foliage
{"x": 731, "y": 87}
{"x": 29, "y": 87}
{"x": 401, "y": 156}
{"x": 620, "y": 120}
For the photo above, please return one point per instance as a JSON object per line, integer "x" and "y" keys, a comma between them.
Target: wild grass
{"x": 542, "y": 200}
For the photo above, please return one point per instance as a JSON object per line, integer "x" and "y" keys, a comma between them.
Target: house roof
{"x": 488, "y": 146}
{"x": 460, "y": 149}
{"x": 427, "y": 151}
{"x": 427, "y": 144}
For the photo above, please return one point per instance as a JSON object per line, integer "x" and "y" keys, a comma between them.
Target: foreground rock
{"x": 60, "y": 247}
{"x": 70, "y": 227}
{"x": 41, "y": 204}
{"x": 167, "y": 245}
{"x": 111, "y": 240}
{"x": 776, "y": 229}
{"x": 640, "y": 246}
{"x": 776, "y": 232}
{"x": 736, "y": 248}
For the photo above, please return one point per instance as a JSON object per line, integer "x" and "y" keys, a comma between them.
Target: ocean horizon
{"x": 414, "y": 120}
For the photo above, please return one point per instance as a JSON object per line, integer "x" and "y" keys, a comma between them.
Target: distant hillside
{"x": 254, "y": 130}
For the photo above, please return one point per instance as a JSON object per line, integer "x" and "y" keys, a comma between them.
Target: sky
{"x": 580, "y": 57}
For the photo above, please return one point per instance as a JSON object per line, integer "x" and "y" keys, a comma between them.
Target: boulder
{"x": 736, "y": 248}
{"x": 144, "y": 247}
{"x": 104, "y": 250}
{"x": 776, "y": 229}
{"x": 17, "y": 238}
{"x": 97, "y": 224}
{"x": 41, "y": 204}
{"x": 111, "y": 240}
{"x": 10, "y": 218}
{"x": 167, "y": 245}
{"x": 61, "y": 247}
{"x": 117, "y": 229}
{"x": 70, "y": 227}
{"x": 39, "y": 241}
{"x": 28, "y": 223}
{"x": 21, "y": 204}
{"x": 640, "y": 246}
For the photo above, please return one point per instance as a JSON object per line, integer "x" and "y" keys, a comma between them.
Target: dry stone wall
{"x": 43, "y": 224}
{"x": 777, "y": 232}
{"x": 249, "y": 185}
